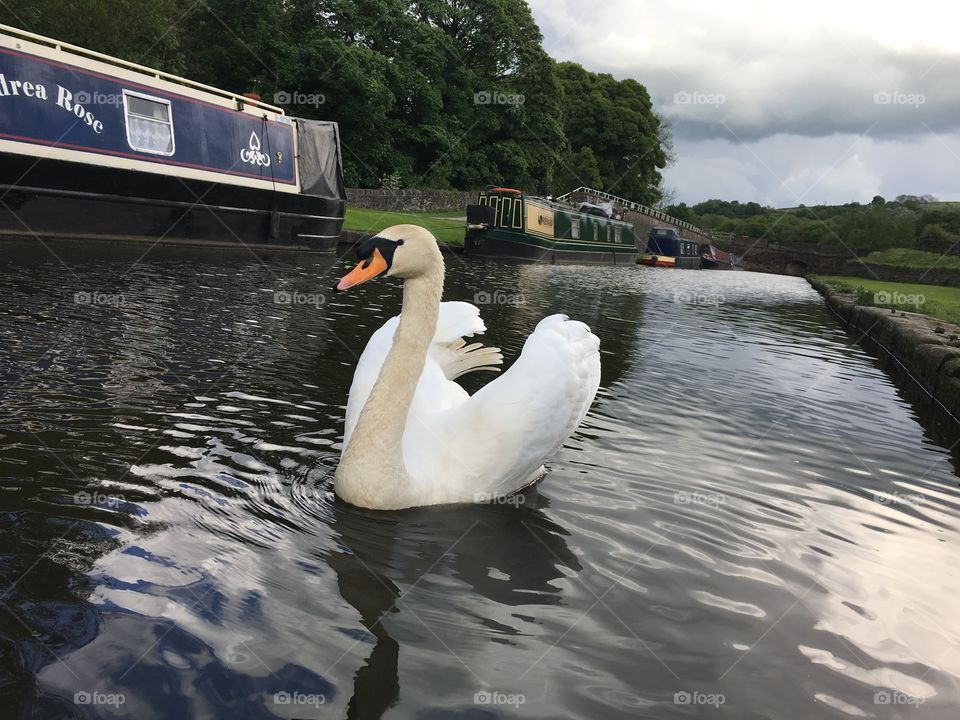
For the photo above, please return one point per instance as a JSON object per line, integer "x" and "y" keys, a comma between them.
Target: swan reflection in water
{"x": 507, "y": 555}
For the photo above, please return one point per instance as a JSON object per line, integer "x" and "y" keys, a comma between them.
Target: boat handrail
{"x": 555, "y": 205}
{"x": 643, "y": 209}
{"x": 159, "y": 74}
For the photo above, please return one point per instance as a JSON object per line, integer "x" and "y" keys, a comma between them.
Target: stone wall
{"x": 410, "y": 200}
{"x": 949, "y": 245}
{"x": 760, "y": 255}
{"x": 917, "y": 351}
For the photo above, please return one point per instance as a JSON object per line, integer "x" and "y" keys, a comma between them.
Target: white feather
{"x": 458, "y": 448}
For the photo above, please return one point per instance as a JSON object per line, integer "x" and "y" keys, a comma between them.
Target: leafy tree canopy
{"x": 428, "y": 93}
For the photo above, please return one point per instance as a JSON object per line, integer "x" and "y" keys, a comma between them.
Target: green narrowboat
{"x": 505, "y": 223}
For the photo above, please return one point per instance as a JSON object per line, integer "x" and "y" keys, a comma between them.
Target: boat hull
{"x": 526, "y": 249}
{"x": 710, "y": 264}
{"x": 51, "y": 198}
{"x": 669, "y": 261}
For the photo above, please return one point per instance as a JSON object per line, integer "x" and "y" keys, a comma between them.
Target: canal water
{"x": 751, "y": 523}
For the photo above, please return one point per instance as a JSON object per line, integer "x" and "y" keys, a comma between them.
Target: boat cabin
{"x": 504, "y": 222}
{"x": 665, "y": 248}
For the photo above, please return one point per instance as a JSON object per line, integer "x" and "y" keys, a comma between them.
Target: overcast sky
{"x": 824, "y": 101}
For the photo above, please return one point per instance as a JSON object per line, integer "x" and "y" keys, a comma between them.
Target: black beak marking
{"x": 385, "y": 246}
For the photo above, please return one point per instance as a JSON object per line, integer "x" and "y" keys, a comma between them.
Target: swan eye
{"x": 399, "y": 242}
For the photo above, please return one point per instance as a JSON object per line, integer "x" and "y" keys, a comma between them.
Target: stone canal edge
{"x": 920, "y": 353}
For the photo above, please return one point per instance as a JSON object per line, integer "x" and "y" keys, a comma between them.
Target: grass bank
{"x": 908, "y": 257}
{"x": 447, "y": 226}
{"x": 939, "y": 302}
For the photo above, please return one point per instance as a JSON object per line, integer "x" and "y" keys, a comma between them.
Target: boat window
{"x": 608, "y": 232}
{"x": 617, "y": 234}
{"x": 518, "y": 214}
{"x": 483, "y": 200}
{"x": 575, "y": 228}
{"x": 149, "y": 123}
{"x": 505, "y": 212}
{"x": 596, "y": 231}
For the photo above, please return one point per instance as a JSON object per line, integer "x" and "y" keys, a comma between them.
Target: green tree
{"x": 615, "y": 119}
{"x": 405, "y": 81}
{"x": 147, "y": 33}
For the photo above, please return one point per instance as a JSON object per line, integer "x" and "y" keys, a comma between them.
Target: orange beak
{"x": 366, "y": 270}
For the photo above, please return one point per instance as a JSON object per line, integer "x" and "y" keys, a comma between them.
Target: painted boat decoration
{"x": 93, "y": 146}
{"x": 506, "y": 223}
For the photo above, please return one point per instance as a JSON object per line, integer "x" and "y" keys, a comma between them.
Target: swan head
{"x": 403, "y": 251}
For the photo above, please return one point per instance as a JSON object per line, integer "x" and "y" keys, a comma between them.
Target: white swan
{"x": 413, "y": 436}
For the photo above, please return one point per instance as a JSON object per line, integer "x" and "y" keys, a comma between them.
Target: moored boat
{"x": 96, "y": 147}
{"x": 665, "y": 248}
{"x": 506, "y": 223}
{"x": 713, "y": 258}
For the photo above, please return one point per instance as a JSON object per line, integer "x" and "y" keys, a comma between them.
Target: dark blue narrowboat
{"x": 96, "y": 147}
{"x": 665, "y": 248}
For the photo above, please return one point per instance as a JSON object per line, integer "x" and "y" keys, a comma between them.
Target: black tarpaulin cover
{"x": 321, "y": 171}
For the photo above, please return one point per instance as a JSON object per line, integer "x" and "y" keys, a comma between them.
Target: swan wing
{"x": 496, "y": 441}
{"x": 449, "y": 357}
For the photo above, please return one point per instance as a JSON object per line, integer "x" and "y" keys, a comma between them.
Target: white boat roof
{"x": 69, "y": 49}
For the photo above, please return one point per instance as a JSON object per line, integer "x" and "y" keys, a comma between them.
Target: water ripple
{"x": 751, "y": 522}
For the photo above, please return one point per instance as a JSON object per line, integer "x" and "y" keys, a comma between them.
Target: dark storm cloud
{"x": 825, "y": 101}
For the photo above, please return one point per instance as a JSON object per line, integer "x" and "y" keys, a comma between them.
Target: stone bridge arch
{"x": 796, "y": 267}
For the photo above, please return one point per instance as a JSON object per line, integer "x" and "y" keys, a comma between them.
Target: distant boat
{"x": 506, "y": 223}
{"x": 93, "y": 146}
{"x": 665, "y": 248}
{"x": 713, "y": 258}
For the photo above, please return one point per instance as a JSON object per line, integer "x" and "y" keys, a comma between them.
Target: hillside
{"x": 920, "y": 223}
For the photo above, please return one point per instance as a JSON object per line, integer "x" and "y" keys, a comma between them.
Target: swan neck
{"x": 373, "y": 459}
